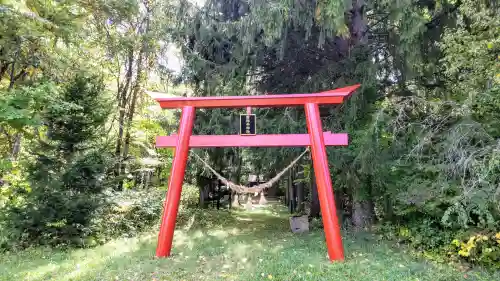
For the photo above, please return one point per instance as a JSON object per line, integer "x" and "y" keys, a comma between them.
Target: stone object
{"x": 249, "y": 205}
{"x": 262, "y": 200}
{"x": 299, "y": 224}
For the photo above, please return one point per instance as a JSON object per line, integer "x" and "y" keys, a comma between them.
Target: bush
{"x": 118, "y": 214}
{"x": 483, "y": 249}
{"x": 440, "y": 244}
{"x": 125, "y": 214}
{"x": 13, "y": 185}
{"x": 132, "y": 211}
{"x": 58, "y": 209}
{"x": 190, "y": 196}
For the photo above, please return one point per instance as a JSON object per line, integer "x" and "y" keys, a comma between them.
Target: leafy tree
{"x": 40, "y": 42}
{"x": 132, "y": 33}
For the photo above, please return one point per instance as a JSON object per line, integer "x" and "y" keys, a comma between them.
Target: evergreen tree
{"x": 67, "y": 173}
{"x": 412, "y": 83}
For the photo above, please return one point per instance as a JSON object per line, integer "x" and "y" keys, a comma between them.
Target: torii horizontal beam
{"x": 328, "y": 97}
{"x": 288, "y": 140}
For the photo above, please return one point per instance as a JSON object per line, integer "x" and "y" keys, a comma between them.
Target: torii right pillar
{"x": 324, "y": 184}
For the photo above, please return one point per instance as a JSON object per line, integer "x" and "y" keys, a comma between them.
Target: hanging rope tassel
{"x": 245, "y": 189}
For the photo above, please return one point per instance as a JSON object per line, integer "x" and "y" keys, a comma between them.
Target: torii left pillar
{"x": 315, "y": 139}
{"x": 171, "y": 205}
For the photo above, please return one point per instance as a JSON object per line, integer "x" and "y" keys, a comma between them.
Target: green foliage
{"x": 77, "y": 116}
{"x": 66, "y": 178}
{"x": 131, "y": 212}
{"x": 190, "y": 196}
{"x": 21, "y": 107}
{"x": 431, "y": 241}
{"x": 424, "y": 236}
{"x": 126, "y": 214}
{"x": 145, "y": 160}
{"x": 14, "y": 186}
{"x": 55, "y": 80}
{"x": 430, "y": 146}
{"x": 483, "y": 249}
{"x": 423, "y": 127}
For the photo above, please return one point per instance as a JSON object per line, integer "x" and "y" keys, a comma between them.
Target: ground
{"x": 250, "y": 245}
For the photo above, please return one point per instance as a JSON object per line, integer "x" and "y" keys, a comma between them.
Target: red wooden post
{"x": 171, "y": 204}
{"x": 324, "y": 183}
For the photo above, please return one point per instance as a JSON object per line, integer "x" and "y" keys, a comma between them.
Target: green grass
{"x": 249, "y": 246}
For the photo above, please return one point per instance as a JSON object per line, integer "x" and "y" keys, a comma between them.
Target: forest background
{"x": 77, "y": 128}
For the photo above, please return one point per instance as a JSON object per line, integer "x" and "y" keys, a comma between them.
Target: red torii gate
{"x": 316, "y": 139}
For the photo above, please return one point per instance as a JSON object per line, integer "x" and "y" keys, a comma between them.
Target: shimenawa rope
{"x": 254, "y": 189}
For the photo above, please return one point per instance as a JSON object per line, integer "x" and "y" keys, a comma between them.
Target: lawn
{"x": 249, "y": 246}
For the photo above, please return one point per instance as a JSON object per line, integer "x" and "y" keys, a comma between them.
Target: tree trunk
{"x": 362, "y": 214}
{"x": 133, "y": 104}
{"x": 235, "y": 176}
{"x": 343, "y": 203}
{"x": 388, "y": 208}
{"x": 287, "y": 187}
{"x": 122, "y": 101}
{"x": 140, "y": 77}
{"x": 293, "y": 201}
{"x": 358, "y": 22}
{"x": 300, "y": 196}
{"x": 122, "y": 104}
{"x": 201, "y": 198}
{"x": 315, "y": 207}
{"x": 201, "y": 202}
{"x": 217, "y": 188}
{"x": 363, "y": 211}
{"x": 290, "y": 191}
{"x": 13, "y": 66}
{"x": 16, "y": 146}
{"x": 158, "y": 179}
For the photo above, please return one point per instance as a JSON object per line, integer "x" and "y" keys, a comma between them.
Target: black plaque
{"x": 247, "y": 125}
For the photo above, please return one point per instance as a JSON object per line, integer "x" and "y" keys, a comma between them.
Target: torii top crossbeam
{"x": 328, "y": 97}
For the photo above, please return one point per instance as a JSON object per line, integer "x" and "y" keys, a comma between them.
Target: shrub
{"x": 190, "y": 196}
{"x": 57, "y": 210}
{"x": 440, "y": 244}
{"x": 118, "y": 214}
{"x": 13, "y": 185}
{"x": 132, "y": 211}
{"x": 125, "y": 214}
{"x": 483, "y": 249}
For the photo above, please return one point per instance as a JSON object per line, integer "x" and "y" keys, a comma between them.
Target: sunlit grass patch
{"x": 244, "y": 246}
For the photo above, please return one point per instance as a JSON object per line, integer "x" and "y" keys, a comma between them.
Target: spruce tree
{"x": 66, "y": 175}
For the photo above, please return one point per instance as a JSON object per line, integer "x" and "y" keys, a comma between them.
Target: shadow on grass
{"x": 236, "y": 245}
{"x": 201, "y": 228}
